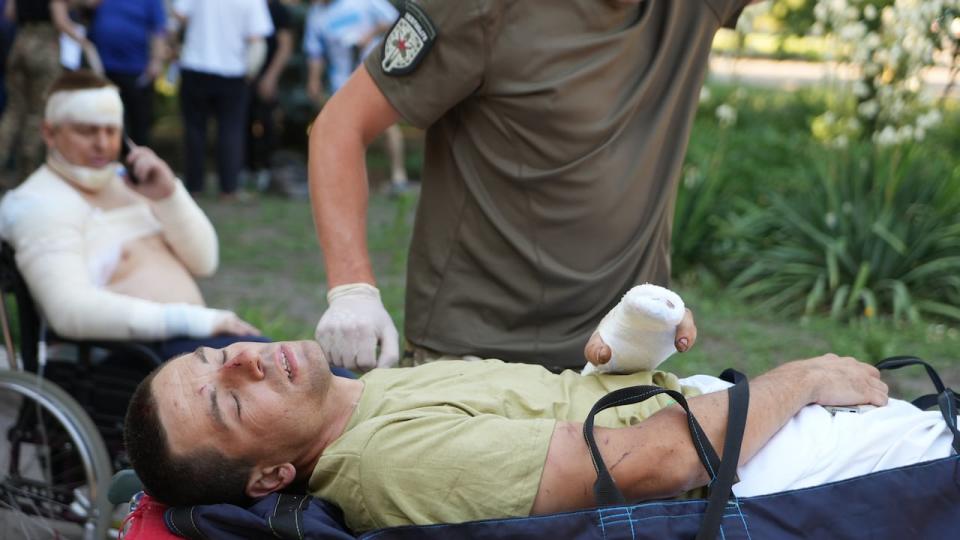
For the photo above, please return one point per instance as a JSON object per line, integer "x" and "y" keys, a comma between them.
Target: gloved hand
{"x": 353, "y": 324}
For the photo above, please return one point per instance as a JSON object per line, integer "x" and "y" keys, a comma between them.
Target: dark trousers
{"x": 137, "y": 97}
{"x": 226, "y": 98}
{"x": 262, "y": 131}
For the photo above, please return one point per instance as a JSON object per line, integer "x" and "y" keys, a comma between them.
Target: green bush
{"x": 754, "y": 157}
{"x": 872, "y": 233}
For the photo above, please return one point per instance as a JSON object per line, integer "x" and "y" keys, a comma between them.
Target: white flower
{"x": 955, "y": 28}
{"x": 861, "y": 89}
{"x": 868, "y": 109}
{"x": 704, "y": 94}
{"x": 905, "y": 134}
{"x": 886, "y": 137}
{"x": 727, "y": 115}
{"x": 913, "y": 84}
{"x": 929, "y": 119}
{"x": 870, "y": 12}
{"x": 830, "y": 220}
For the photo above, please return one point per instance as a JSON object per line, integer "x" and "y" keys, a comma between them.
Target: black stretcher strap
{"x": 722, "y": 473}
{"x": 738, "y": 400}
{"x": 604, "y": 489}
{"x": 944, "y": 398}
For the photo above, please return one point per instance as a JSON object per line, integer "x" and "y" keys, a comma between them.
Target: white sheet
{"x": 815, "y": 447}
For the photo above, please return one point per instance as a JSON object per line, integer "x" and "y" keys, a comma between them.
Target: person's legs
{"x": 257, "y": 116}
{"x": 194, "y": 108}
{"x": 137, "y": 106}
{"x": 231, "y": 111}
{"x": 34, "y": 65}
{"x": 11, "y": 124}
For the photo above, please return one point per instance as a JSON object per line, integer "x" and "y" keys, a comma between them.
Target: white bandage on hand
{"x": 193, "y": 321}
{"x": 640, "y": 330}
{"x": 353, "y": 324}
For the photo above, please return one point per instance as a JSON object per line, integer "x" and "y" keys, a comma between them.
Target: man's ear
{"x": 264, "y": 480}
{"x": 47, "y": 132}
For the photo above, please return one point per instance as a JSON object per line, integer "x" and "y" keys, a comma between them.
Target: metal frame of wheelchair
{"x": 66, "y": 434}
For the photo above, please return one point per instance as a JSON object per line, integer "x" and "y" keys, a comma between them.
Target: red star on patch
{"x": 401, "y": 45}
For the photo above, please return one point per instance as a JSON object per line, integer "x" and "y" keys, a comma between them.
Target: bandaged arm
{"x": 188, "y": 232}
{"x": 48, "y": 239}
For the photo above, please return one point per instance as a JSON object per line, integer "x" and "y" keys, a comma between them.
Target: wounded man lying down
{"x": 457, "y": 441}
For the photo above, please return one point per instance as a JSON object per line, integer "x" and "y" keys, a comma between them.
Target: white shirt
{"x": 217, "y": 33}
{"x": 333, "y": 31}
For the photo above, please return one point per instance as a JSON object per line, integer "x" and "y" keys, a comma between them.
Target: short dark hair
{"x": 81, "y": 79}
{"x": 203, "y": 476}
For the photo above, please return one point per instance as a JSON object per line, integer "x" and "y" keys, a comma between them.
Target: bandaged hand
{"x": 354, "y": 323}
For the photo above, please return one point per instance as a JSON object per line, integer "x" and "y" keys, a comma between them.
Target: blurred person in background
{"x": 108, "y": 255}
{"x": 262, "y": 131}
{"x": 224, "y": 48}
{"x": 130, "y": 36}
{"x": 7, "y": 31}
{"x": 33, "y": 65}
{"x": 338, "y": 36}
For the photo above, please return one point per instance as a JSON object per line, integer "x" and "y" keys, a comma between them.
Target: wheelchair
{"x": 62, "y": 404}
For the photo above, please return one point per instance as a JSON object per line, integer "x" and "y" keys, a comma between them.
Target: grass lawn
{"x": 271, "y": 272}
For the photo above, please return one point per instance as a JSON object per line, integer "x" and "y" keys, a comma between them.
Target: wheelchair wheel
{"x": 54, "y": 468}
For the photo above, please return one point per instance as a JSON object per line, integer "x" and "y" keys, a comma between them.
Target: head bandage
{"x": 99, "y": 106}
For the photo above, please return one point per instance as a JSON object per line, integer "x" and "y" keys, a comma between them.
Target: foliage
{"x": 795, "y": 16}
{"x": 873, "y": 232}
{"x": 890, "y": 43}
{"x": 736, "y": 152}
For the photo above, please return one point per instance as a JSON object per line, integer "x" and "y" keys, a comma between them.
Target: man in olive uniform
{"x": 555, "y": 137}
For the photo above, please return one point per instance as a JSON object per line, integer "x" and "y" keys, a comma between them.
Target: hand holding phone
{"x": 125, "y": 149}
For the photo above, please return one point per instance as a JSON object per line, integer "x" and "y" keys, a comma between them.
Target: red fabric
{"x": 145, "y": 522}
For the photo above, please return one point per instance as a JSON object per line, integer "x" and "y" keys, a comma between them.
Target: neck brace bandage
{"x": 98, "y": 106}
{"x": 87, "y": 178}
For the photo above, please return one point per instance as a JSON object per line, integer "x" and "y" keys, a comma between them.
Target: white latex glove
{"x": 353, "y": 324}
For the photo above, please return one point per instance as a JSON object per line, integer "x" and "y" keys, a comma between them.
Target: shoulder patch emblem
{"x": 408, "y": 41}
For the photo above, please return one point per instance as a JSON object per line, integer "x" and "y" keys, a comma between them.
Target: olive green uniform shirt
{"x": 454, "y": 441}
{"x": 555, "y": 135}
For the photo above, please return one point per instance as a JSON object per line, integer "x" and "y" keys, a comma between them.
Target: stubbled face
{"x": 87, "y": 145}
{"x": 257, "y": 401}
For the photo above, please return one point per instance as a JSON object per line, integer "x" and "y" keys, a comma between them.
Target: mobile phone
{"x": 126, "y": 146}
{"x": 852, "y": 409}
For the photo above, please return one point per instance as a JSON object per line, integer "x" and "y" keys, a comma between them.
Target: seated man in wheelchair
{"x": 108, "y": 253}
{"x": 456, "y": 441}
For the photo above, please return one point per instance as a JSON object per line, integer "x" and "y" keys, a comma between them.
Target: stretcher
{"x": 918, "y": 501}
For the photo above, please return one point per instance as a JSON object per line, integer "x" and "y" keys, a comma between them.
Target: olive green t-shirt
{"x": 456, "y": 441}
{"x": 556, "y": 131}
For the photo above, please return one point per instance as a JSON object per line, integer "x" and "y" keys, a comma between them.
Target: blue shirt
{"x": 333, "y": 31}
{"x": 122, "y": 30}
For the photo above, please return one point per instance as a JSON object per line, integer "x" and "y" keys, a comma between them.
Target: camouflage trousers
{"x": 33, "y": 65}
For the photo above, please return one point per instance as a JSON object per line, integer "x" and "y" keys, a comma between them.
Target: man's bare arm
{"x": 351, "y": 119}
{"x": 656, "y": 458}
